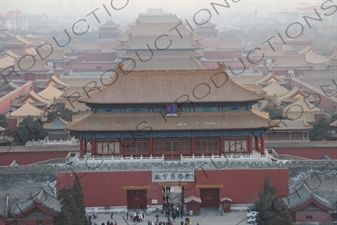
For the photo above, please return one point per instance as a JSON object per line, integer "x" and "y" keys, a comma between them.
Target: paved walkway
{"x": 232, "y": 218}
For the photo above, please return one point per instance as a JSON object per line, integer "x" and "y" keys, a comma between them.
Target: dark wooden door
{"x": 209, "y": 197}
{"x": 136, "y": 199}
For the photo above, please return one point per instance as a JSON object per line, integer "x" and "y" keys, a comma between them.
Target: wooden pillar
{"x": 257, "y": 143}
{"x": 81, "y": 147}
{"x": 250, "y": 145}
{"x": 122, "y": 147}
{"x": 94, "y": 147}
{"x": 222, "y": 145}
{"x": 151, "y": 150}
{"x": 192, "y": 146}
{"x": 85, "y": 145}
{"x": 263, "y": 150}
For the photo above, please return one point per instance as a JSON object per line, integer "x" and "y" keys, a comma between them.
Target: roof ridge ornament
{"x": 222, "y": 66}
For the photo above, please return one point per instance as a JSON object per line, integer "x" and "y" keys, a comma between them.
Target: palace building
{"x": 148, "y": 128}
{"x": 217, "y": 118}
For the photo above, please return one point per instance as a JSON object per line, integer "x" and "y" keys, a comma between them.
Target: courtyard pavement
{"x": 232, "y": 218}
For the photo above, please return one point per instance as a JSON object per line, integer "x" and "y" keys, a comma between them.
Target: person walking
{"x": 111, "y": 215}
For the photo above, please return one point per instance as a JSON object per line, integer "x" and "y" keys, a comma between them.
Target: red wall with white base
{"x": 105, "y": 188}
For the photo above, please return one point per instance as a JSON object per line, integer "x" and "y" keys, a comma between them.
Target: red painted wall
{"x": 5, "y": 101}
{"x": 325, "y": 102}
{"x": 97, "y": 56}
{"x": 241, "y": 186}
{"x": 316, "y": 216}
{"x": 76, "y": 66}
{"x": 311, "y": 153}
{"x": 105, "y": 188}
{"x": 6, "y": 157}
{"x": 2, "y": 221}
{"x": 32, "y": 221}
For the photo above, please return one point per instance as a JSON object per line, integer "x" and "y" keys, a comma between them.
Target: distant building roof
{"x": 302, "y": 109}
{"x": 295, "y": 94}
{"x": 51, "y": 92}
{"x": 267, "y": 51}
{"x": 33, "y": 98}
{"x": 6, "y": 62}
{"x": 109, "y": 25}
{"x": 333, "y": 124}
{"x": 41, "y": 199}
{"x": 192, "y": 198}
{"x": 270, "y": 78}
{"x": 275, "y": 89}
{"x": 10, "y": 86}
{"x": 57, "y": 124}
{"x": 17, "y": 40}
{"x": 290, "y": 61}
{"x": 299, "y": 124}
{"x": 29, "y": 65}
{"x": 86, "y": 46}
{"x": 52, "y": 54}
{"x": 205, "y": 23}
{"x": 34, "y": 41}
{"x": 13, "y": 54}
{"x": 4, "y": 206}
{"x": 54, "y": 81}
{"x": 313, "y": 57}
{"x": 27, "y": 110}
{"x": 165, "y": 63}
{"x": 302, "y": 196}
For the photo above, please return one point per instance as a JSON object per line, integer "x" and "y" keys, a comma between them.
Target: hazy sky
{"x": 83, "y": 7}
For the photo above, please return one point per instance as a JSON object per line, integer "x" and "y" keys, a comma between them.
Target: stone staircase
{"x": 211, "y": 211}
{"x": 175, "y": 197}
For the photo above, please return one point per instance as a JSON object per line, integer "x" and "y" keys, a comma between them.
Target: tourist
{"x": 115, "y": 222}
{"x": 111, "y": 215}
{"x": 108, "y": 223}
{"x": 182, "y": 223}
{"x": 127, "y": 215}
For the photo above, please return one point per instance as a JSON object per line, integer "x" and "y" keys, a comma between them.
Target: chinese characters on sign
{"x": 176, "y": 176}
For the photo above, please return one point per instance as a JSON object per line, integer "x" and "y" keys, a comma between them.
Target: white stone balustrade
{"x": 88, "y": 159}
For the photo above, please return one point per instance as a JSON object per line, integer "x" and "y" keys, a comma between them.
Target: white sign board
{"x": 175, "y": 176}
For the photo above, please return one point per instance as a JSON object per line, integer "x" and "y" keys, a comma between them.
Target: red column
{"x": 250, "y": 145}
{"x": 222, "y": 145}
{"x": 192, "y": 146}
{"x": 257, "y": 143}
{"x": 151, "y": 152}
{"x": 85, "y": 145}
{"x": 94, "y": 147}
{"x": 122, "y": 147}
{"x": 81, "y": 147}
{"x": 262, "y": 146}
